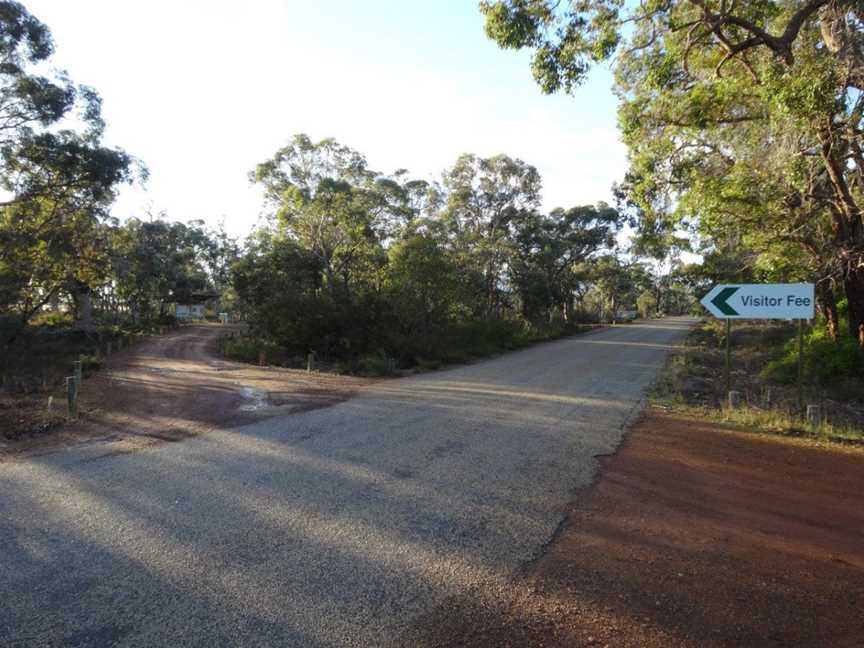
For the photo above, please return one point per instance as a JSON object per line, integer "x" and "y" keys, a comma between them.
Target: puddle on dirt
{"x": 256, "y": 399}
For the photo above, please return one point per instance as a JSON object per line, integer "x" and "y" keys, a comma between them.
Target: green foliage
{"x": 52, "y": 320}
{"x": 249, "y": 348}
{"x": 375, "y": 364}
{"x": 363, "y": 267}
{"x": 158, "y": 262}
{"x": 825, "y": 360}
{"x": 742, "y": 121}
{"x": 647, "y": 304}
{"x": 58, "y": 182}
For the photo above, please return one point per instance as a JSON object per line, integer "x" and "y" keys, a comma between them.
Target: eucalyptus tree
{"x": 486, "y": 200}
{"x": 324, "y": 196}
{"x": 551, "y": 249}
{"x": 158, "y": 262}
{"x": 741, "y": 116}
{"x": 58, "y": 182}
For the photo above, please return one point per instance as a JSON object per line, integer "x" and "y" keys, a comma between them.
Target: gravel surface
{"x": 695, "y": 534}
{"x": 333, "y": 527}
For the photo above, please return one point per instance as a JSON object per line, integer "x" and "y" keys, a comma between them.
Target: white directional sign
{"x": 761, "y": 301}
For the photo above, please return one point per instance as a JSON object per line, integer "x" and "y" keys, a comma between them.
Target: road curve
{"x": 334, "y": 527}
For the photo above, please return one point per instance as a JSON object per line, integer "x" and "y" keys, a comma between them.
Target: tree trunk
{"x": 827, "y": 301}
{"x": 82, "y": 298}
{"x": 854, "y": 288}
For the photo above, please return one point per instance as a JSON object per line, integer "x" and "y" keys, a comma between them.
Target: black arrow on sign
{"x": 720, "y": 300}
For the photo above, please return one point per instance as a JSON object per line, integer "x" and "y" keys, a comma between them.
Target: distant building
{"x": 196, "y": 306}
{"x": 189, "y": 311}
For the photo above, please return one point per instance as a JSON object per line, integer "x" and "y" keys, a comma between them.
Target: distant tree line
{"x": 355, "y": 262}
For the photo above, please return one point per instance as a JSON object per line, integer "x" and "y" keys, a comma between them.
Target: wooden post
{"x": 310, "y": 361}
{"x": 734, "y": 399}
{"x": 728, "y": 355}
{"x": 72, "y": 398}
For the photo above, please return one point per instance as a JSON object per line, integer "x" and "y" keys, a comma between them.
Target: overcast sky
{"x": 202, "y": 91}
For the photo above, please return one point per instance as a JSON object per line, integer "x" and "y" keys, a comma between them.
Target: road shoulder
{"x": 693, "y": 534}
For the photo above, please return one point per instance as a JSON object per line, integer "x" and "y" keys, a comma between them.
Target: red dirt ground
{"x": 175, "y": 386}
{"x": 693, "y": 535}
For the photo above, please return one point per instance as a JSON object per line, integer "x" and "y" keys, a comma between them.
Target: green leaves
{"x": 565, "y": 43}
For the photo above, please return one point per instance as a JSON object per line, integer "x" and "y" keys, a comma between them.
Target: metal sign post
{"x": 728, "y": 356}
{"x": 763, "y": 301}
{"x": 801, "y": 365}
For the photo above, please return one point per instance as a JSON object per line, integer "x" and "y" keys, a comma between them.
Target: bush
{"x": 166, "y": 319}
{"x": 90, "y": 364}
{"x": 248, "y": 349}
{"x": 52, "y": 319}
{"x": 824, "y": 360}
{"x": 647, "y": 304}
{"x": 377, "y": 364}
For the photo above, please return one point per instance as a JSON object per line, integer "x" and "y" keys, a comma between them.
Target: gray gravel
{"x": 336, "y": 527}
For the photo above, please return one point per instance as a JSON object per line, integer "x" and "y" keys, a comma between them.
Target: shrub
{"x": 248, "y": 349}
{"x": 90, "y": 364}
{"x": 166, "y": 319}
{"x": 824, "y": 359}
{"x": 52, "y": 319}
{"x": 377, "y": 364}
{"x": 647, "y": 304}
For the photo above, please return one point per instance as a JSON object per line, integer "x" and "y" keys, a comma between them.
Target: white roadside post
{"x": 763, "y": 301}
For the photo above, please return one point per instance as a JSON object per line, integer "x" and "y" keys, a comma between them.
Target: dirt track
{"x": 174, "y": 386}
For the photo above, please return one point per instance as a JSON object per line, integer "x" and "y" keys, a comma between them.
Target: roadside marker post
{"x": 763, "y": 301}
{"x": 72, "y": 397}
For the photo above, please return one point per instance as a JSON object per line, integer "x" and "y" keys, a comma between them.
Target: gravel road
{"x": 334, "y": 527}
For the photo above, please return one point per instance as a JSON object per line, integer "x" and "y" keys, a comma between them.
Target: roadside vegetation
{"x": 743, "y": 123}
{"x": 366, "y": 269}
{"x": 764, "y": 370}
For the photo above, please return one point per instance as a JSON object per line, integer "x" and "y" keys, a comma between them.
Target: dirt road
{"x": 176, "y": 386}
{"x": 338, "y": 526}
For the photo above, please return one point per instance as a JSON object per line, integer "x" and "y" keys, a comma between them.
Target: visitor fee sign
{"x": 761, "y": 301}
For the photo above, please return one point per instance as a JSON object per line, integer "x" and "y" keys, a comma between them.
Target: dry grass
{"x": 693, "y": 383}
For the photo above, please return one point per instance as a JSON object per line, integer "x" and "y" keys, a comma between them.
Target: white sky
{"x": 202, "y": 91}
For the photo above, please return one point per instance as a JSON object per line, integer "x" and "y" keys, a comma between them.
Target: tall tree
{"x": 58, "y": 183}
{"x": 326, "y": 199}
{"x": 486, "y": 200}
{"x": 551, "y": 249}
